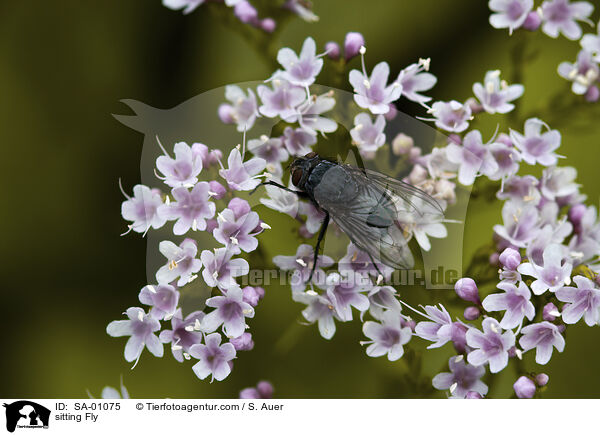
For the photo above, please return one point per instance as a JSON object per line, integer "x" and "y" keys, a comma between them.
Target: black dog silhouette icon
{"x": 25, "y": 413}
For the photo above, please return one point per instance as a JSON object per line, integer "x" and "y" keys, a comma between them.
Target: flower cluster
{"x": 546, "y": 249}
{"x": 196, "y": 206}
{"x": 339, "y": 287}
{"x": 557, "y": 17}
{"x": 244, "y": 11}
{"x": 547, "y": 240}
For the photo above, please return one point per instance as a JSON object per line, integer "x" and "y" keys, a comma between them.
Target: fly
{"x": 375, "y": 211}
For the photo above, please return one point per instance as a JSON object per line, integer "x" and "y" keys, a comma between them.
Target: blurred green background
{"x": 66, "y": 272}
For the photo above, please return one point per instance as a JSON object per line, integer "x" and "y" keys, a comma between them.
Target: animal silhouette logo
{"x": 26, "y": 414}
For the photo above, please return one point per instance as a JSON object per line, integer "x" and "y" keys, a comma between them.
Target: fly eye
{"x": 311, "y": 155}
{"x": 296, "y": 176}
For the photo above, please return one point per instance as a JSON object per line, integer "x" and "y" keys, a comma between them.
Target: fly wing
{"x": 386, "y": 245}
{"x": 412, "y": 203}
{"x": 372, "y": 218}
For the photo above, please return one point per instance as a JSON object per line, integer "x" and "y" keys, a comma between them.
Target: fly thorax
{"x": 335, "y": 185}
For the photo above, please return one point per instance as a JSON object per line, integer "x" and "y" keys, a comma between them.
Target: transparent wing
{"x": 379, "y": 214}
{"x": 386, "y": 245}
{"x": 408, "y": 199}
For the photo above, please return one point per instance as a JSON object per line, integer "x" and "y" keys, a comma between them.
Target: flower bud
{"x": 473, "y": 395}
{"x": 352, "y": 44}
{"x": 260, "y": 292}
{"x": 408, "y": 323}
{"x": 249, "y": 393}
{"x": 239, "y": 207}
{"x": 391, "y": 113}
{"x": 576, "y": 214}
{"x": 550, "y": 312}
{"x": 245, "y": 12}
{"x": 226, "y": 114}
{"x": 402, "y": 144}
{"x": 505, "y": 139}
{"x": 217, "y": 188}
{"x": 265, "y": 389}
{"x": 458, "y": 335}
{"x": 211, "y": 224}
{"x": 467, "y": 290}
{"x": 199, "y": 149}
{"x": 268, "y": 25}
{"x": 494, "y": 259}
{"x": 333, "y": 50}
{"x": 243, "y": 342}
{"x": 252, "y": 295}
{"x": 593, "y": 94}
{"x": 475, "y": 106}
{"x": 445, "y": 190}
{"x": 510, "y": 258}
{"x": 542, "y": 379}
{"x": 417, "y": 175}
{"x": 533, "y": 21}
{"x": 472, "y": 313}
{"x": 214, "y": 156}
{"x": 414, "y": 154}
{"x": 524, "y": 388}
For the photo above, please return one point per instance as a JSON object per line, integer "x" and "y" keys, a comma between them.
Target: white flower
{"x": 495, "y": 95}
{"x": 366, "y": 134}
{"x": 414, "y": 80}
{"x": 509, "y": 14}
{"x": 553, "y": 275}
{"x": 281, "y": 200}
{"x": 244, "y": 108}
{"x": 560, "y": 16}
{"x": 387, "y": 337}
{"x": 300, "y": 70}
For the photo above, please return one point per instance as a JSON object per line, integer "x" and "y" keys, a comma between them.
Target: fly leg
{"x": 273, "y": 183}
{"x": 318, "y": 245}
{"x": 375, "y": 264}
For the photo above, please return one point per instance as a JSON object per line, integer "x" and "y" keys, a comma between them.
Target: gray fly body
{"x": 374, "y": 210}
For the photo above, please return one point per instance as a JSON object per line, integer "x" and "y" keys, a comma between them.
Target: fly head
{"x": 301, "y": 167}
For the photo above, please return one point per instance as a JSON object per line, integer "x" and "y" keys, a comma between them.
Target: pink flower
{"x": 515, "y": 301}
{"x": 300, "y": 70}
{"x": 372, "y": 92}
{"x": 542, "y": 337}
{"x": 491, "y": 345}
{"x": 213, "y": 358}
{"x": 582, "y": 301}
{"x": 461, "y": 379}
{"x": 242, "y": 175}
{"x": 230, "y": 311}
